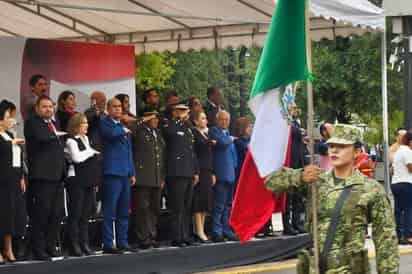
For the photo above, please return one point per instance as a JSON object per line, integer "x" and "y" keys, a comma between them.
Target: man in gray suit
{"x": 39, "y": 86}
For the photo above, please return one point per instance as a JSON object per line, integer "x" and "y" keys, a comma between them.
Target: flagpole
{"x": 310, "y": 128}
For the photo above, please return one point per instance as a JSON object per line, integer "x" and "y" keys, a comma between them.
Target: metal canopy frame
{"x": 137, "y": 3}
{"x": 73, "y": 27}
{"x": 9, "y": 32}
{"x": 253, "y": 7}
{"x": 221, "y": 28}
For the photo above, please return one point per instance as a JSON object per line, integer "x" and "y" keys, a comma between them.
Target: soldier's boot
{"x": 75, "y": 249}
{"x": 287, "y": 225}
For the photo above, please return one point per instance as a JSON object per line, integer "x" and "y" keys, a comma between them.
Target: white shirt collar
{"x": 210, "y": 102}
{"x": 116, "y": 121}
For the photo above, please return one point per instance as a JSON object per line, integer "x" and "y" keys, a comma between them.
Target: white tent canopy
{"x": 175, "y": 24}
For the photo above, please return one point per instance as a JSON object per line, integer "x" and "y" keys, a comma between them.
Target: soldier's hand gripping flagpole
{"x": 310, "y": 127}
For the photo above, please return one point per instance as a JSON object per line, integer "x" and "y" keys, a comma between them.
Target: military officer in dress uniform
{"x": 365, "y": 203}
{"x": 149, "y": 159}
{"x": 182, "y": 173}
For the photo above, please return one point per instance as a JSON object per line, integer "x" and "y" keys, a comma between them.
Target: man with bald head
{"x": 94, "y": 114}
{"x": 224, "y": 167}
{"x": 118, "y": 177}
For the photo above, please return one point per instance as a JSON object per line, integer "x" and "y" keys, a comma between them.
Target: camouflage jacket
{"x": 367, "y": 203}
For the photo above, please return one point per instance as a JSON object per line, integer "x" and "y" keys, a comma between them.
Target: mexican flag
{"x": 283, "y": 62}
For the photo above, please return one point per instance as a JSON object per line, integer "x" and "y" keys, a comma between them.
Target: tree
{"x": 348, "y": 79}
{"x": 154, "y": 70}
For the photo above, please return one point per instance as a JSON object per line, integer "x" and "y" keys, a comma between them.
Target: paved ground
{"x": 406, "y": 267}
{"x": 288, "y": 267}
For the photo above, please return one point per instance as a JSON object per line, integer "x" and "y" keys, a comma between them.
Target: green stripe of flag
{"x": 283, "y": 59}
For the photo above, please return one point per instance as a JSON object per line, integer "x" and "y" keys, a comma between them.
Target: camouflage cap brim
{"x": 335, "y": 140}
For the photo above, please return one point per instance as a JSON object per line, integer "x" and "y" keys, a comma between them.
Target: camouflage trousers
{"x": 337, "y": 263}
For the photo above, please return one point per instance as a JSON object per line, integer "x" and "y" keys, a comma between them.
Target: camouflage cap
{"x": 345, "y": 134}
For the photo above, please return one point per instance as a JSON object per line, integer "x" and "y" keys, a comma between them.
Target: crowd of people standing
{"x": 71, "y": 161}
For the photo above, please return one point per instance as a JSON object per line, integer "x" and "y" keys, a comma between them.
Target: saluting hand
{"x": 213, "y": 180}
{"x": 310, "y": 174}
{"x": 132, "y": 180}
{"x": 22, "y": 185}
{"x": 195, "y": 179}
{"x": 18, "y": 141}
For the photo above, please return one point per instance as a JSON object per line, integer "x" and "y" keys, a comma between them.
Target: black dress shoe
{"x": 41, "y": 256}
{"x": 87, "y": 250}
{"x": 290, "y": 232}
{"x": 232, "y": 237}
{"x": 75, "y": 250}
{"x": 178, "y": 244}
{"x": 200, "y": 240}
{"x": 19, "y": 249}
{"x": 145, "y": 245}
{"x": 127, "y": 248}
{"x": 260, "y": 235}
{"x": 53, "y": 252}
{"x": 205, "y": 241}
{"x": 300, "y": 229}
{"x": 270, "y": 233}
{"x": 218, "y": 239}
{"x": 112, "y": 250}
{"x": 190, "y": 242}
{"x": 155, "y": 244}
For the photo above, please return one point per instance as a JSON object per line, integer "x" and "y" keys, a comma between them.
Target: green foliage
{"x": 347, "y": 85}
{"x": 195, "y": 71}
{"x": 154, "y": 70}
{"x": 347, "y": 77}
{"x": 374, "y": 132}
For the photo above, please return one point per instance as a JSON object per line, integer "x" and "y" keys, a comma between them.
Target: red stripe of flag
{"x": 254, "y": 204}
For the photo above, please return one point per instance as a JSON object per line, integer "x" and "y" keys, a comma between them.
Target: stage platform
{"x": 168, "y": 260}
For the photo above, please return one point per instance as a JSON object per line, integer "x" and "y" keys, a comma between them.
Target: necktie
{"x": 51, "y": 127}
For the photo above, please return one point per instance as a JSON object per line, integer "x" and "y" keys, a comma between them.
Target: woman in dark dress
{"x": 11, "y": 179}
{"x": 195, "y": 107}
{"x": 20, "y": 203}
{"x": 202, "y": 197}
{"x": 66, "y": 104}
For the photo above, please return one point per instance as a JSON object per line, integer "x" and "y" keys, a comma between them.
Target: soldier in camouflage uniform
{"x": 366, "y": 204}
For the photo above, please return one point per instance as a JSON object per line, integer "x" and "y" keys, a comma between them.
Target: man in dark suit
{"x": 224, "y": 167}
{"x": 294, "y": 216}
{"x": 95, "y": 113}
{"x": 149, "y": 158}
{"x": 118, "y": 176}
{"x": 213, "y": 105}
{"x": 46, "y": 162}
{"x": 182, "y": 173}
